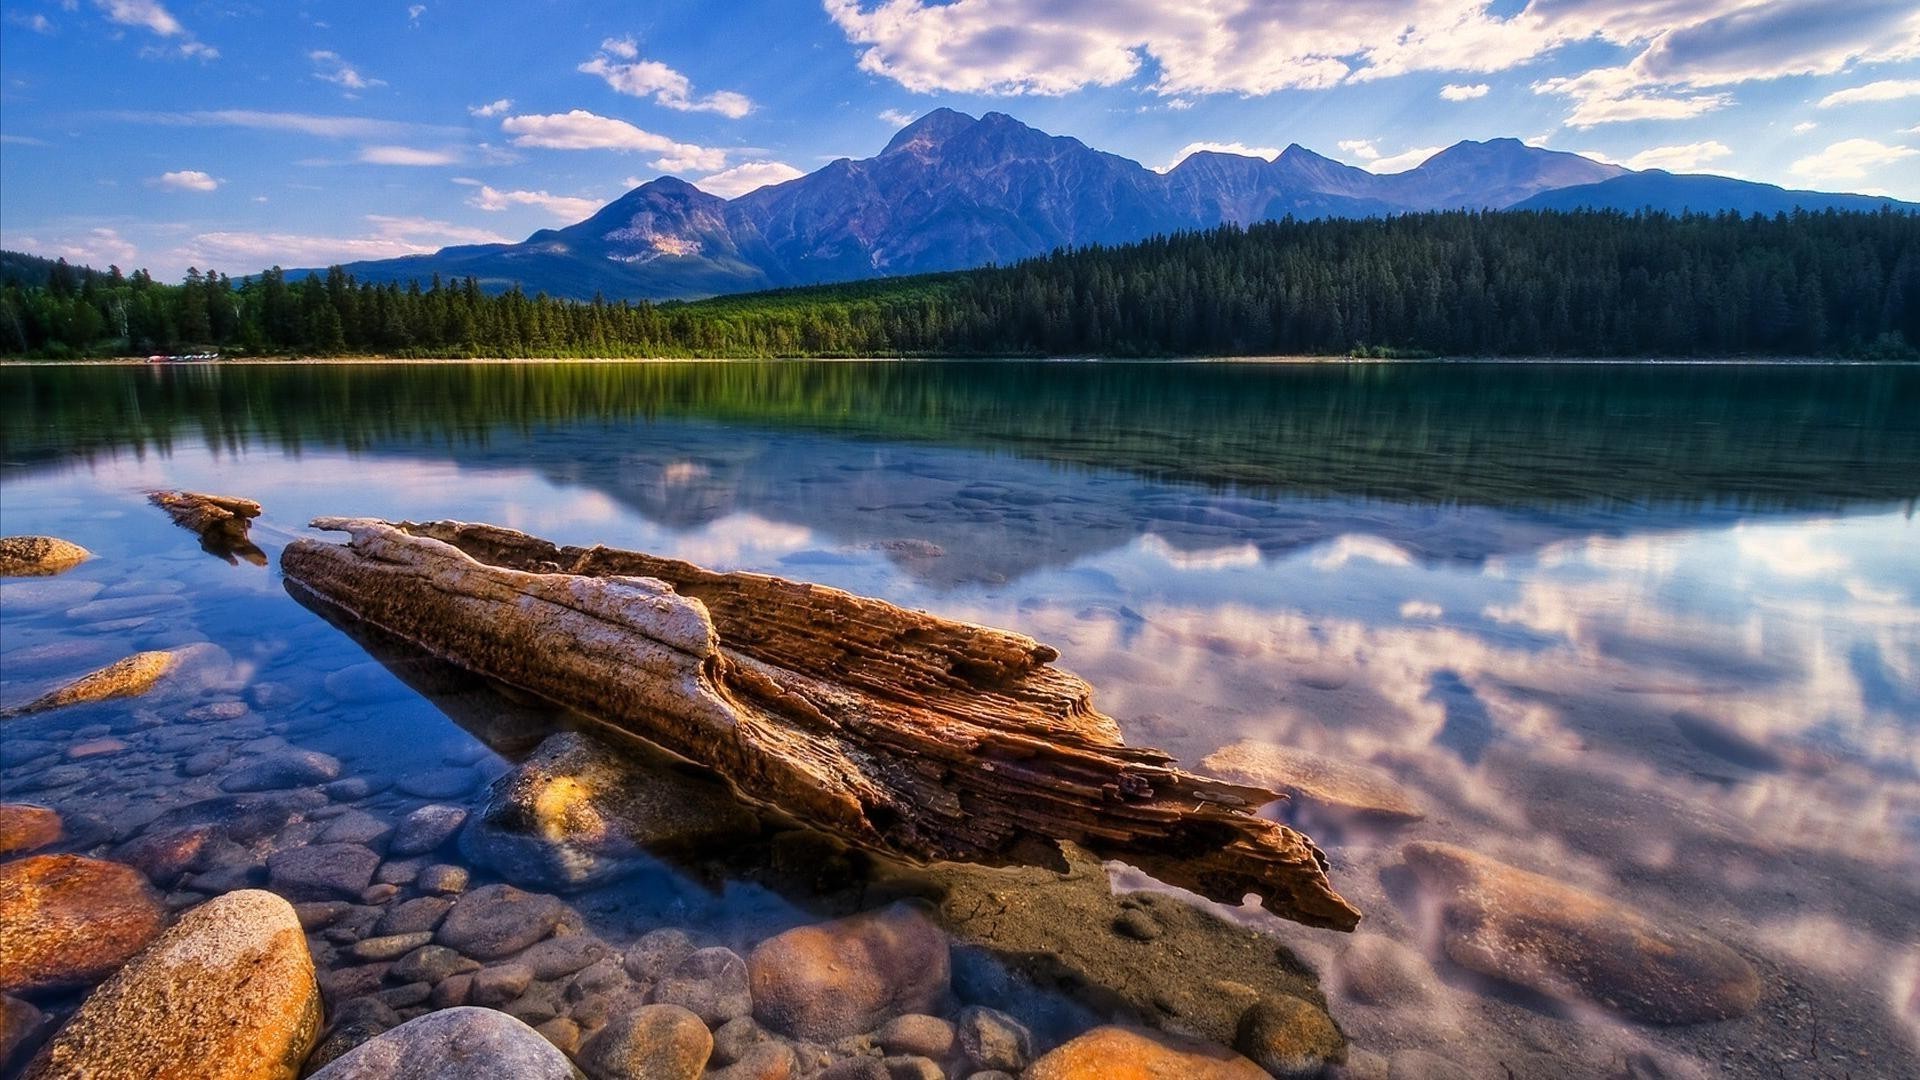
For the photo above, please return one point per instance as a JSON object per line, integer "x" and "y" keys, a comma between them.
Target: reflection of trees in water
{"x": 1772, "y": 436}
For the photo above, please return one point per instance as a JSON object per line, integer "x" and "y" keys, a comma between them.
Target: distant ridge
{"x": 951, "y": 191}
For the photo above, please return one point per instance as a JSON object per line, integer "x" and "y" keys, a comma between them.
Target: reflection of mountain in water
{"x": 1451, "y": 462}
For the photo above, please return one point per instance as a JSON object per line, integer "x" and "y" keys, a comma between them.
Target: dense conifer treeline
{"x": 1489, "y": 284}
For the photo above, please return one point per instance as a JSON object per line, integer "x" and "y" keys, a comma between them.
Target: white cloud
{"x": 414, "y": 11}
{"x": 409, "y": 155}
{"x": 565, "y": 207}
{"x": 897, "y": 117}
{"x": 582, "y": 130}
{"x": 1360, "y": 148}
{"x": 387, "y": 237}
{"x": 95, "y": 247}
{"x": 1401, "y": 162}
{"x": 1238, "y": 148}
{"x": 747, "y": 176}
{"x": 145, "y": 14}
{"x": 36, "y": 22}
{"x": 1884, "y": 90}
{"x": 1456, "y": 92}
{"x": 1851, "y": 159}
{"x": 186, "y": 180}
{"x": 1804, "y": 126}
{"x": 620, "y": 65}
{"x": 333, "y": 68}
{"x": 1616, "y": 95}
{"x": 491, "y": 108}
{"x": 331, "y": 127}
{"x": 1685, "y": 158}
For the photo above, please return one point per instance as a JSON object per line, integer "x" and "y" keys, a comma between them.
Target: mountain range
{"x": 952, "y": 191}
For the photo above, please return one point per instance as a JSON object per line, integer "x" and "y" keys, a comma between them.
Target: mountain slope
{"x": 952, "y": 191}
{"x": 1677, "y": 193}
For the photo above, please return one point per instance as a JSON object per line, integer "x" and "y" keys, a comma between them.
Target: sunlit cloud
{"x": 1686, "y": 158}
{"x": 186, "y": 180}
{"x": 619, "y": 64}
{"x": 1851, "y": 159}
{"x": 1238, "y": 149}
{"x": 565, "y": 207}
{"x": 1456, "y": 92}
{"x": 1884, "y": 90}
{"x": 745, "y": 177}
{"x": 583, "y": 130}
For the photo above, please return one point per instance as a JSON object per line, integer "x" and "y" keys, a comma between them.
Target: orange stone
{"x": 95, "y": 748}
{"x": 1128, "y": 1053}
{"x": 67, "y": 921}
{"x": 24, "y": 828}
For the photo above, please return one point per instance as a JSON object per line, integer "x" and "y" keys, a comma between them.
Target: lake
{"x": 1651, "y": 631}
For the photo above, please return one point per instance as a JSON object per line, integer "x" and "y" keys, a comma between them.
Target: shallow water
{"x": 1652, "y": 631}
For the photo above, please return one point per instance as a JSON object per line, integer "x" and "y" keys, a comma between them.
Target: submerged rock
{"x": 710, "y": 983}
{"x": 495, "y": 921}
{"x": 579, "y": 812}
{"x": 461, "y": 1043}
{"x": 39, "y": 556}
{"x": 1315, "y": 778}
{"x": 1531, "y": 930}
{"x": 1290, "y": 1038}
{"x": 654, "y": 1042}
{"x": 844, "y": 977}
{"x": 427, "y": 828}
{"x": 283, "y": 769}
{"x": 322, "y": 872}
{"x": 67, "y": 920}
{"x": 1127, "y": 1053}
{"x": 25, "y": 828}
{"x": 20, "y": 1024}
{"x": 130, "y": 677}
{"x": 227, "y": 994}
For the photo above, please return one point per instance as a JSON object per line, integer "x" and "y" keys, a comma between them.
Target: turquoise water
{"x": 1653, "y": 631}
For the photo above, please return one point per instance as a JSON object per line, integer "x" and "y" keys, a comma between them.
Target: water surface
{"x": 1652, "y": 630}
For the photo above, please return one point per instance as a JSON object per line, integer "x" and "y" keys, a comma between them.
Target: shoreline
{"x": 1579, "y": 361}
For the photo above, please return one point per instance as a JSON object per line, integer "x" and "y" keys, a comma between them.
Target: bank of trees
{"x": 1496, "y": 284}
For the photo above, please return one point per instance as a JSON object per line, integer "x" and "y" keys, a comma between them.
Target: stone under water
{"x": 130, "y": 677}
{"x": 39, "y": 556}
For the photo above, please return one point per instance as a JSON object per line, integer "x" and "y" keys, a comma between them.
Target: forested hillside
{"x": 1489, "y": 284}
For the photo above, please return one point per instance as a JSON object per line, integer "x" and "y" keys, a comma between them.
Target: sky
{"x": 237, "y": 134}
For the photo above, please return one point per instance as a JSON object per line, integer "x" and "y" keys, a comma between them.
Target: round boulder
{"x": 1290, "y": 1038}
{"x": 39, "y": 556}
{"x": 226, "y": 994}
{"x": 840, "y": 978}
{"x": 463, "y": 1043}
{"x": 654, "y": 1042}
{"x": 69, "y": 921}
{"x": 1128, "y": 1053}
{"x": 25, "y": 828}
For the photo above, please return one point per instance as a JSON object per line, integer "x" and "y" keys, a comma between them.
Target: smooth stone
{"x": 122, "y": 607}
{"x": 1315, "y": 778}
{"x": 452, "y": 991}
{"x": 379, "y": 893}
{"x": 500, "y": 983}
{"x": 20, "y": 1025}
{"x": 357, "y": 827}
{"x": 433, "y": 964}
{"x": 733, "y": 1039}
{"x": 352, "y": 789}
{"x": 993, "y": 1040}
{"x": 397, "y": 872}
{"x": 405, "y": 996}
{"x": 603, "y": 976}
{"x": 570, "y": 816}
{"x": 561, "y": 956}
{"x": 1290, "y": 1038}
{"x": 766, "y": 1061}
{"x": 227, "y": 993}
{"x": 442, "y": 879}
{"x": 284, "y": 769}
{"x": 1128, "y": 1053}
{"x": 68, "y": 921}
{"x": 461, "y": 1043}
{"x": 26, "y": 828}
{"x": 844, "y": 977}
{"x": 499, "y": 920}
{"x": 912, "y": 1067}
{"x": 366, "y": 681}
{"x": 563, "y": 1033}
{"x": 413, "y": 916}
{"x": 1529, "y": 929}
{"x": 354, "y": 1022}
{"x": 710, "y": 983}
{"x": 427, "y": 828}
{"x": 166, "y": 855}
{"x": 39, "y": 556}
{"x": 130, "y": 677}
{"x": 855, "y": 1068}
{"x": 94, "y": 748}
{"x": 918, "y": 1033}
{"x": 658, "y": 952}
{"x": 438, "y": 783}
{"x": 226, "y": 878}
{"x": 242, "y": 819}
{"x": 320, "y": 914}
{"x": 322, "y": 872}
{"x": 217, "y": 710}
{"x": 390, "y": 947}
{"x": 204, "y": 762}
{"x": 339, "y": 984}
{"x": 654, "y": 1042}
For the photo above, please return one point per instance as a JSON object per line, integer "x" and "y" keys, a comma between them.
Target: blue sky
{"x": 241, "y": 133}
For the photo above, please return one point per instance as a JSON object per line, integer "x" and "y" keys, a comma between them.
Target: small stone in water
{"x": 443, "y": 879}
{"x": 357, "y": 827}
{"x": 415, "y": 915}
{"x": 95, "y": 748}
{"x": 500, "y": 983}
{"x": 655, "y": 1042}
{"x": 917, "y": 1033}
{"x": 1290, "y": 1038}
{"x": 564, "y": 955}
{"x": 427, "y": 828}
{"x": 657, "y": 953}
{"x": 352, "y": 789}
{"x": 499, "y": 920}
{"x": 994, "y": 1040}
{"x": 322, "y": 872}
{"x": 433, "y": 964}
{"x": 710, "y": 983}
{"x": 286, "y": 769}
{"x": 439, "y": 783}
{"x": 219, "y": 710}
{"x": 202, "y": 763}
{"x": 391, "y": 947}
{"x": 24, "y": 828}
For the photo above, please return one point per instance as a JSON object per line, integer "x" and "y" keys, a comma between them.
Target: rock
{"x": 499, "y": 920}
{"x": 242, "y": 819}
{"x": 391, "y": 947}
{"x": 94, "y": 748}
{"x": 563, "y": 955}
{"x": 20, "y": 1024}
{"x": 710, "y": 983}
{"x": 993, "y": 1040}
{"x": 39, "y": 556}
{"x": 1376, "y": 970}
{"x": 918, "y": 1033}
{"x": 844, "y": 977}
{"x": 433, "y": 964}
{"x": 407, "y": 995}
{"x": 563, "y": 1033}
{"x": 764, "y": 1061}
{"x": 130, "y": 677}
{"x": 221, "y": 522}
{"x": 442, "y": 879}
{"x": 452, "y": 991}
{"x": 1565, "y": 942}
{"x": 857, "y": 1068}
{"x": 228, "y": 992}
{"x": 166, "y": 855}
{"x": 412, "y": 916}
{"x": 603, "y": 976}
{"x": 1290, "y": 1038}
{"x": 357, "y": 827}
{"x": 438, "y": 783}
{"x": 25, "y": 828}
{"x": 321, "y": 872}
{"x": 352, "y": 789}
{"x": 454, "y": 1044}
{"x": 911, "y": 1067}
{"x": 500, "y": 983}
{"x": 733, "y": 1039}
{"x": 204, "y": 762}
{"x": 1127, "y": 1053}
{"x": 655, "y": 1042}
{"x": 68, "y": 921}
{"x": 339, "y": 984}
{"x": 577, "y": 813}
{"x": 217, "y": 710}
{"x": 398, "y": 872}
{"x": 427, "y": 828}
{"x": 286, "y": 769}
{"x": 355, "y": 1022}
{"x": 320, "y": 914}
{"x": 658, "y": 952}
{"x": 1325, "y": 781}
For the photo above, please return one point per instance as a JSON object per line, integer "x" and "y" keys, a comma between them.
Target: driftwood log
{"x": 893, "y": 729}
{"x": 221, "y": 521}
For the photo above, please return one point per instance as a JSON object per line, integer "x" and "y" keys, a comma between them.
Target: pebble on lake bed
{"x": 68, "y": 921}
{"x": 123, "y": 678}
{"x": 1128, "y": 1053}
{"x": 462, "y": 1043}
{"x": 39, "y": 556}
